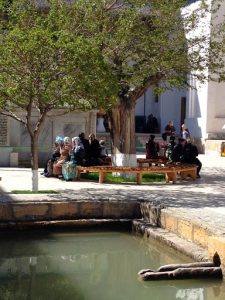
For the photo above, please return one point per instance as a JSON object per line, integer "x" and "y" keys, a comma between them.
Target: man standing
{"x": 152, "y": 148}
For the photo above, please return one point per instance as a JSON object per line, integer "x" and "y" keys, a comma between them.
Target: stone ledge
{"x": 185, "y": 228}
{"x": 217, "y": 244}
{"x": 82, "y": 223}
{"x": 48, "y": 211}
{"x": 181, "y": 245}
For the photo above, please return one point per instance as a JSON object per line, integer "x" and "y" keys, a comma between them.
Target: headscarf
{"x": 67, "y": 140}
{"x": 59, "y": 140}
{"x": 77, "y": 142}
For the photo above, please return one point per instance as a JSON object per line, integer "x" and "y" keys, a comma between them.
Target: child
{"x": 105, "y": 159}
{"x": 103, "y": 149}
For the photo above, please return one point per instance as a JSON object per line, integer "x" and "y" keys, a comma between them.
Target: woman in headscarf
{"x": 48, "y": 170}
{"x": 78, "y": 151}
{"x": 65, "y": 149}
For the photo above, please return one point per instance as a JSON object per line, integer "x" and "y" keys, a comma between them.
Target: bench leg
{"x": 102, "y": 177}
{"x": 78, "y": 175}
{"x": 183, "y": 174}
{"x": 139, "y": 178}
{"x": 193, "y": 174}
{"x": 171, "y": 176}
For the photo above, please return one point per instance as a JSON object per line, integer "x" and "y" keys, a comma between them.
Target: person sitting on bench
{"x": 190, "y": 153}
{"x": 152, "y": 148}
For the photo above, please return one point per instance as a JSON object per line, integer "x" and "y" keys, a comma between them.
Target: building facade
{"x": 202, "y": 107}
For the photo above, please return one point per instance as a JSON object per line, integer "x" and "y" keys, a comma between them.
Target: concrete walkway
{"x": 202, "y": 201}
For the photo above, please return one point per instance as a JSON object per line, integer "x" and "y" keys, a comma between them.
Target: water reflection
{"x": 85, "y": 266}
{"x": 190, "y": 294}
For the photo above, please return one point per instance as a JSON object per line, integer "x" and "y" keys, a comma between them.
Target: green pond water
{"x": 91, "y": 266}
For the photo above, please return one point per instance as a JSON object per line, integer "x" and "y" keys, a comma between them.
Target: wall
{"x": 171, "y": 108}
{"x": 57, "y": 123}
{"x": 3, "y": 130}
{"x": 167, "y": 108}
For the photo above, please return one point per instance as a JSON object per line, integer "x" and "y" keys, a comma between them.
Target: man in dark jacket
{"x": 84, "y": 141}
{"x": 178, "y": 150}
{"x": 93, "y": 155}
{"x": 169, "y": 147}
{"x": 190, "y": 154}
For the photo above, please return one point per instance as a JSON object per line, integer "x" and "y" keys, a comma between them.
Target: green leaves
{"x": 46, "y": 65}
{"x": 85, "y": 54}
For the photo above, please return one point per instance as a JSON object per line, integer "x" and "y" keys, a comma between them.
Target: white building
{"x": 202, "y": 108}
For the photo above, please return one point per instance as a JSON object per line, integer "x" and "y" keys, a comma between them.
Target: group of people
{"x": 78, "y": 150}
{"x": 183, "y": 151}
{"x": 170, "y": 130}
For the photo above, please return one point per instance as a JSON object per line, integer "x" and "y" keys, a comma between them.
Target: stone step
{"x": 189, "y": 229}
{"x": 174, "y": 241}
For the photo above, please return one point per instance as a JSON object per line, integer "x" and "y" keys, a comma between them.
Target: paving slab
{"x": 202, "y": 200}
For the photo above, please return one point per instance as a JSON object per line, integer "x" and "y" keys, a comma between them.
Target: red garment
{"x": 152, "y": 149}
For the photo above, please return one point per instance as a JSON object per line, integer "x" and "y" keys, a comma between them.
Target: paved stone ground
{"x": 202, "y": 201}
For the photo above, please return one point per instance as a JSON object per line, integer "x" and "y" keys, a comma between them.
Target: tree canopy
{"x": 156, "y": 44}
{"x": 89, "y": 54}
{"x": 44, "y": 65}
{"x": 85, "y": 54}
{"x": 151, "y": 43}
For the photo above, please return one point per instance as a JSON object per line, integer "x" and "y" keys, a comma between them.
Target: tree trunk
{"x": 122, "y": 132}
{"x": 190, "y": 265}
{"x": 34, "y": 161}
{"x": 184, "y": 273}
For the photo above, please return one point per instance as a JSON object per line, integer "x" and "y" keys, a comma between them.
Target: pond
{"x": 102, "y": 265}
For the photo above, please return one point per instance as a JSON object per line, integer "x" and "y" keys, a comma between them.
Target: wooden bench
{"x": 151, "y": 161}
{"x": 170, "y": 171}
{"x": 187, "y": 170}
{"x": 184, "y": 170}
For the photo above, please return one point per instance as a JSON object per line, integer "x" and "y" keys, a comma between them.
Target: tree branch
{"x": 111, "y": 6}
{"x": 28, "y": 117}
{"x": 152, "y": 80}
{"x": 12, "y": 115}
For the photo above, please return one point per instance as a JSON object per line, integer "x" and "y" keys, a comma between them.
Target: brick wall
{"x": 3, "y": 130}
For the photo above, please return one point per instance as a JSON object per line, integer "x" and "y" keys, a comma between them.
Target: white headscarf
{"x": 67, "y": 140}
{"x": 77, "y": 142}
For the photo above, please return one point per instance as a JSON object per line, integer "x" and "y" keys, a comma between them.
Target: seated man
{"x": 169, "y": 148}
{"x": 93, "y": 155}
{"x": 190, "y": 154}
{"x": 85, "y": 142}
{"x": 169, "y": 131}
{"x": 178, "y": 150}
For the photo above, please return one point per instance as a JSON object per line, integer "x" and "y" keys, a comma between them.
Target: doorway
{"x": 183, "y": 110}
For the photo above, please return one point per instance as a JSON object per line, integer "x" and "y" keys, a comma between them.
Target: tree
{"x": 43, "y": 66}
{"x": 146, "y": 44}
